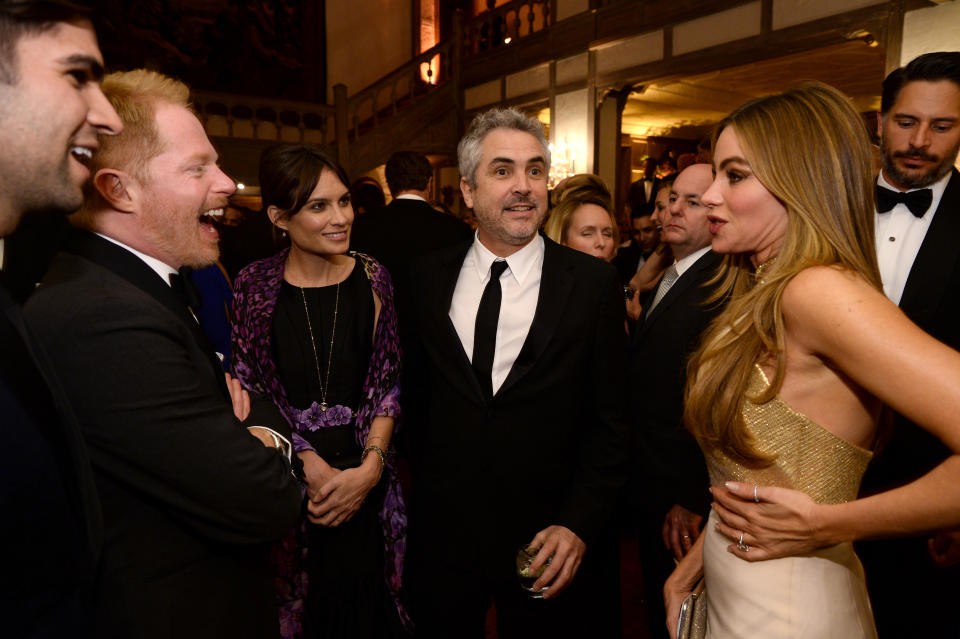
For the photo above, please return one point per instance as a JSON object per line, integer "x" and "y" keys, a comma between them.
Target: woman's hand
{"x": 780, "y": 523}
{"x": 316, "y": 471}
{"x": 681, "y": 583}
{"x": 674, "y": 595}
{"x": 649, "y": 274}
{"x": 340, "y": 497}
{"x": 634, "y": 308}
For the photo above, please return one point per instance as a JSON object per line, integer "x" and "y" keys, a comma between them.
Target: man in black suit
{"x": 190, "y": 497}
{"x": 644, "y": 191}
{"x": 522, "y": 438}
{"x": 51, "y": 112}
{"x": 667, "y": 456}
{"x": 644, "y": 237}
{"x": 408, "y": 227}
{"x": 918, "y": 226}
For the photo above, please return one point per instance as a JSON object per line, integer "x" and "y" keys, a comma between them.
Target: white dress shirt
{"x": 520, "y": 283}
{"x": 685, "y": 263}
{"x": 899, "y": 236}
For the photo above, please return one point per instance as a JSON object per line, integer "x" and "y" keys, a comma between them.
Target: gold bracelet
{"x": 378, "y": 451}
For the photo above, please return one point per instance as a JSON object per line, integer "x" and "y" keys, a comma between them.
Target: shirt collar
{"x": 519, "y": 263}
{"x": 409, "y": 196}
{"x": 685, "y": 263}
{"x": 160, "y": 268}
{"x": 937, "y": 188}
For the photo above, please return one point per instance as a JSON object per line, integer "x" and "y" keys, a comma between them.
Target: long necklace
{"x": 325, "y": 381}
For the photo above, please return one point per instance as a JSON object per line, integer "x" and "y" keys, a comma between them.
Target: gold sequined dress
{"x": 820, "y": 595}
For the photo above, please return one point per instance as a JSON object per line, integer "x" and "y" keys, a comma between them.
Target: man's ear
{"x": 467, "y": 192}
{"x": 116, "y": 187}
{"x": 880, "y": 127}
{"x": 277, "y": 218}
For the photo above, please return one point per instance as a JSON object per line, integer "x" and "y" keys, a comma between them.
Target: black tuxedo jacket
{"x": 53, "y": 529}
{"x": 401, "y": 232}
{"x": 190, "y": 499}
{"x": 551, "y": 446}
{"x": 931, "y": 298}
{"x": 636, "y": 196}
{"x": 667, "y": 454}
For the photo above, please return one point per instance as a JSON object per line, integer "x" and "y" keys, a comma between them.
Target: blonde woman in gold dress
{"x": 786, "y": 391}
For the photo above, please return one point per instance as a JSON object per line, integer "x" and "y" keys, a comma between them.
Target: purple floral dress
{"x": 255, "y": 297}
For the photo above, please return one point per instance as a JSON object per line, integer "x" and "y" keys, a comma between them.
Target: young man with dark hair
{"x": 51, "y": 113}
{"x": 918, "y": 223}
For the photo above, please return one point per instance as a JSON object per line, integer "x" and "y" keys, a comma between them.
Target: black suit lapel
{"x": 927, "y": 283}
{"x": 689, "y": 278}
{"x": 451, "y": 357}
{"x": 125, "y": 264}
{"x": 555, "y": 286}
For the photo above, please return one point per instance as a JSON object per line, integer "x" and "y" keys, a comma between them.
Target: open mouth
{"x": 82, "y": 154}
{"x": 213, "y": 216}
{"x": 337, "y": 236}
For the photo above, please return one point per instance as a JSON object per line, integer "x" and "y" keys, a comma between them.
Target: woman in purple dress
{"x": 315, "y": 329}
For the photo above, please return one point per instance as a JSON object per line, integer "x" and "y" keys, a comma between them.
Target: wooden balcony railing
{"x": 505, "y": 25}
{"x": 249, "y": 117}
{"x": 420, "y": 76}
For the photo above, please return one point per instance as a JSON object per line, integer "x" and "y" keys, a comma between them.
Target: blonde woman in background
{"x": 582, "y": 217}
{"x": 787, "y": 387}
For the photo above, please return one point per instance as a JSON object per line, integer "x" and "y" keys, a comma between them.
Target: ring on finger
{"x": 742, "y": 546}
{"x": 756, "y": 497}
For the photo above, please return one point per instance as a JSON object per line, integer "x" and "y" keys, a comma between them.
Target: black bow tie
{"x": 917, "y": 201}
{"x": 185, "y": 288}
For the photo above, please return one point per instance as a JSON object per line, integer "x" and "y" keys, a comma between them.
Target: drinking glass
{"x": 527, "y": 578}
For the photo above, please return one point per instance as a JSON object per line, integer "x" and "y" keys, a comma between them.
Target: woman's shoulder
{"x": 261, "y": 269}
{"x": 376, "y": 272}
{"x": 816, "y": 283}
{"x": 826, "y": 297}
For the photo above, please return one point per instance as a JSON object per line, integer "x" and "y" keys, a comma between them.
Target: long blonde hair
{"x": 808, "y": 146}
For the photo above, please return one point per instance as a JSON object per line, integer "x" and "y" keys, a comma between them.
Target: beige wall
{"x": 930, "y": 29}
{"x": 366, "y": 39}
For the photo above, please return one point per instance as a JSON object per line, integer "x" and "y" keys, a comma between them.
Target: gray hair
{"x": 468, "y": 151}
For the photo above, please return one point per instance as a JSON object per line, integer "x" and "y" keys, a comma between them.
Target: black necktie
{"x": 185, "y": 288}
{"x": 917, "y": 201}
{"x": 485, "y": 330}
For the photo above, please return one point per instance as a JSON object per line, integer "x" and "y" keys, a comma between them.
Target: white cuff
{"x": 279, "y": 441}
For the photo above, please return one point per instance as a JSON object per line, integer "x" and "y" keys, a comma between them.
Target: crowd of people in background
{"x": 379, "y": 420}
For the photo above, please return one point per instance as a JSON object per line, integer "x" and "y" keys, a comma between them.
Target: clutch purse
{"x": 693, "y": 614}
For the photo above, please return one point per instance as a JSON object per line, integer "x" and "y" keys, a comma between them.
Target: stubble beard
{"x": 170, "y": 233}
{"x": 914, "y": 181}
{"x": 512, "y": 232}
